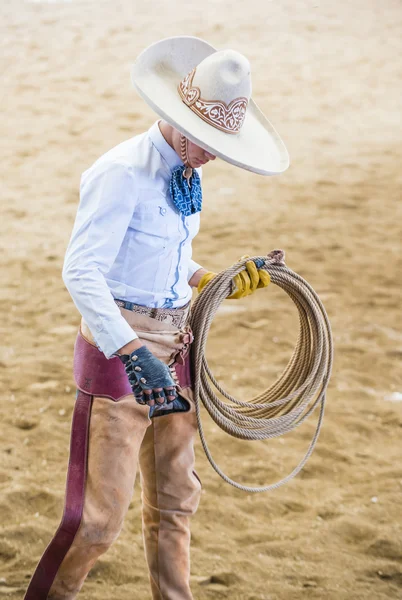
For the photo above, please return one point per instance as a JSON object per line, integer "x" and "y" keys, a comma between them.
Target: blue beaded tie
{"x": 186, "y": 193}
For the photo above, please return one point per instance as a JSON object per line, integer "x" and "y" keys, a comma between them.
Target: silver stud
{"x": 137, "y": 369}
{"x": 143, "y": 380}
{"x": 134, "y": 357}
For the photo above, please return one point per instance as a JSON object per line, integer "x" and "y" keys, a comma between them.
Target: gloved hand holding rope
{"x": 302, "y": 386}
{"x": 245, "y": 282}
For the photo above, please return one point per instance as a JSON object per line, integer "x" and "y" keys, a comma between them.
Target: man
{"x": 129, "y": 270}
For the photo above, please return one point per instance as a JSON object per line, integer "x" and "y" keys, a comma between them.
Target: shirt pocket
{"x": 149, "y": 226}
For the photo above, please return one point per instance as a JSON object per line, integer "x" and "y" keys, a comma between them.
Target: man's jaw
{"x": 198, "y": 163}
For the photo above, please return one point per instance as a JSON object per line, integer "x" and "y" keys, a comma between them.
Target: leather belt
{"x": 174, "y": 316}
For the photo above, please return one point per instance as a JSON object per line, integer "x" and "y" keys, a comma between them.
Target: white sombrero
{"x": 206, "y": 95}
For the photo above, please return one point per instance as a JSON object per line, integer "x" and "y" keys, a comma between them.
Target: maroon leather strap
{"x": 97, "y": 375}
{"x": 54, "y": 554}
{"x": 183, "y": 371}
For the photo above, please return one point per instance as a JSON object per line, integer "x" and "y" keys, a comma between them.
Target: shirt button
{"x": 162, "y": 210}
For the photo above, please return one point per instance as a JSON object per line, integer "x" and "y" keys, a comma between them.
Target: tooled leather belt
{"x": 174, "y": 316}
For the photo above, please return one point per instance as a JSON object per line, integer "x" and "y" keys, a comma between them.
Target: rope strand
{"x": 294, "y": 396}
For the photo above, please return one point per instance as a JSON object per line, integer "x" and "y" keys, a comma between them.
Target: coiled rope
{"x": 299, "y": 390}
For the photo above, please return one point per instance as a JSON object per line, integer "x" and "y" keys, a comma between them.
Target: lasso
{"x": 299, "y": 390}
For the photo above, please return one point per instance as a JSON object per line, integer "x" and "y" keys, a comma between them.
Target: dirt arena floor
{"x": 328, "y": 75}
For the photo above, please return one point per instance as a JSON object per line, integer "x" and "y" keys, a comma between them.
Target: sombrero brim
{"x": 156, "y": 74}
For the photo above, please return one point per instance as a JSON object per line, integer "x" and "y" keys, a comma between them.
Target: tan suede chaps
{"x": 109, "y": 437}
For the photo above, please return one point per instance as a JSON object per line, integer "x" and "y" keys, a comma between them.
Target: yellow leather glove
{"x": 245, "y": 282}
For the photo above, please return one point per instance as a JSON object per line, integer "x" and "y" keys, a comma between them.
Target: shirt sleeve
{"x": 192, "y": 268}
{"x": 107, "y": 201}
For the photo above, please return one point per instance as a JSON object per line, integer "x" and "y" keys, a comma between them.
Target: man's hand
{"x": 133, "y": 345}
{"x": 245, "y": 282}
{"x": 150, "y": 379}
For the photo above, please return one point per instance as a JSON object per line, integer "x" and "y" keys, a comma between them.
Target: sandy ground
{"x": 328, "y": 75}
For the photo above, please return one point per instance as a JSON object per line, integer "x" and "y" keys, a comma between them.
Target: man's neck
{"x": 166, "y": 130}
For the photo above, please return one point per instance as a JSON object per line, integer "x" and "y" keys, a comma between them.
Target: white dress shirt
{"x": 129, "y": 241}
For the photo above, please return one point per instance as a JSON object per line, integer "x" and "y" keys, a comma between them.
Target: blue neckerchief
{"x": 187, "y": 199}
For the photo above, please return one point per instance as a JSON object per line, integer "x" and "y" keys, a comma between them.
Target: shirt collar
{"x": 167, "y": 152}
